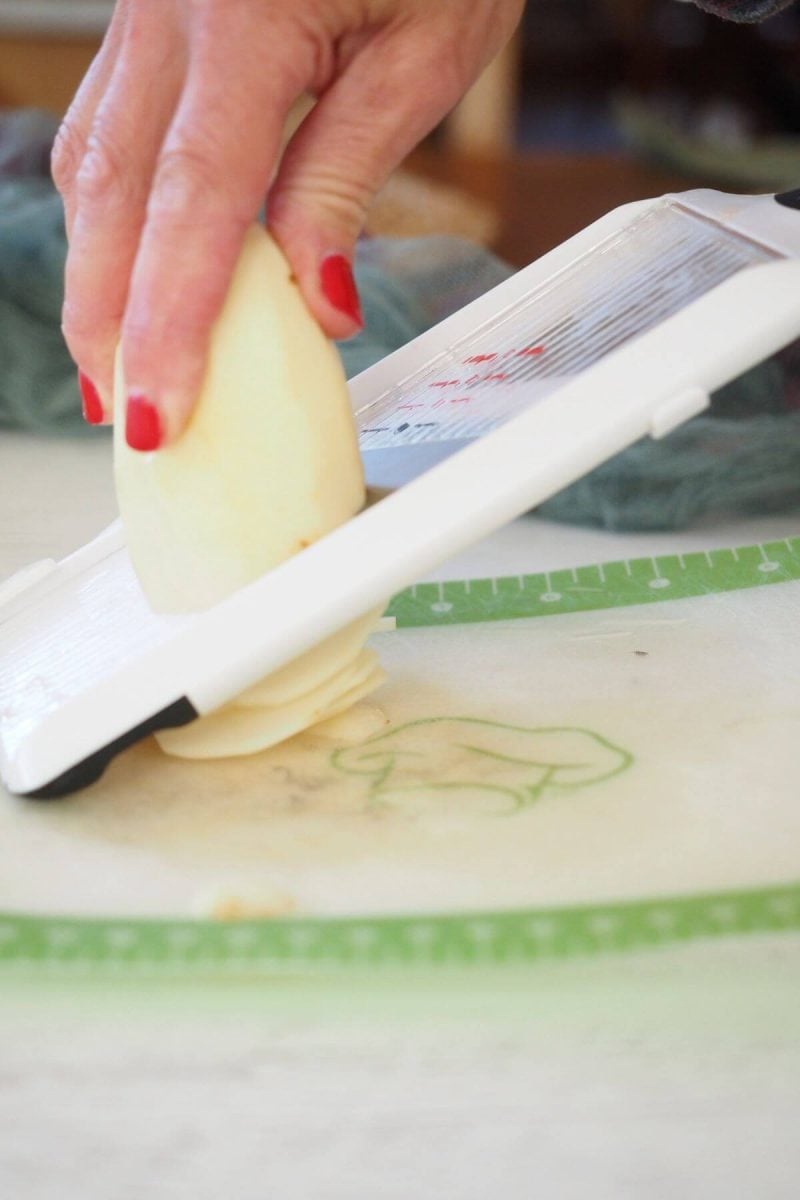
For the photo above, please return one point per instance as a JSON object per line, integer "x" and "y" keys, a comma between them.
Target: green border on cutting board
{"x": 67, "y": 945}
{"x": 606, "y": 585}
{"x": 457, "y": 940}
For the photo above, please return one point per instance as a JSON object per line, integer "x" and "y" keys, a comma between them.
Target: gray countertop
{"x": 661, "y": 1076}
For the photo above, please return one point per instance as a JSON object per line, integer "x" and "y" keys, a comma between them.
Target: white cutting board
{"x": 700, "y": 695}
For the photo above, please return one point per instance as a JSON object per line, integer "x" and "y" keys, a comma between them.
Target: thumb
{"x": 360, "y": 130}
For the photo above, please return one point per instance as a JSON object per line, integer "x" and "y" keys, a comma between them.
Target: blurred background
{"x": 596, "y": 102}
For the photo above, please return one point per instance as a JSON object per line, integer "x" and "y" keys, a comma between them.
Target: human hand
{"x": 174, "y": 140}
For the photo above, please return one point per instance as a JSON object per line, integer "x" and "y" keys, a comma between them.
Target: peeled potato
{"x": 312, "y": 669}
{"x": 236, "y": 729}
{"x": 269, "y": 462}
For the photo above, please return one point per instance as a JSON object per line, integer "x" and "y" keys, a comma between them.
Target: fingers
{"x": 69, "y": 149}
{"x": 173, "y": 140}
{"x": 109, "y": 196}
{"x": 360, "y": 129}
{"x": 69, "y": 146}
{"x": 208, "y": 186}
{"x": 395, "y": 89}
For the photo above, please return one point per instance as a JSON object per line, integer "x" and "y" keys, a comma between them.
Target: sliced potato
{"x": 234, "y": 730}
{"x": 269, "y": 462}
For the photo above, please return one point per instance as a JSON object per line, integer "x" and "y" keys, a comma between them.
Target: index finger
{"x": 69, "y": 146}
{"x": 210, "y": 181}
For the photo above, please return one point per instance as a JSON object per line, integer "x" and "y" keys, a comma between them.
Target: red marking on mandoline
{"x": 494, "y": 394}
{"x": 491, "y": 356}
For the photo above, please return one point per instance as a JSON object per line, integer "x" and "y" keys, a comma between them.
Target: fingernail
{"x": 339, "y": 287}
{"x": 92, "y": 404}
{"x": 142, "y": 424}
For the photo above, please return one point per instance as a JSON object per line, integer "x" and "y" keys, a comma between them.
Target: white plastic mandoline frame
{"x": 87, "y": 669}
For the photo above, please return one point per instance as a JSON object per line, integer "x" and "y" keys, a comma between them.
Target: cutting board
{"x": 592, "y": 757}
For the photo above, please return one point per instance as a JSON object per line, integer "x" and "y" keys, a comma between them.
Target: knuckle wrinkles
{"x": 185, "y": 180}
{"x": 349, "y": 199}
{"x": 66, "y": 156}
{"x": 104, "y": 175}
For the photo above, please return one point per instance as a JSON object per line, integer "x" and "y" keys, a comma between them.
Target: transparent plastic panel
{"x": 622, "y": 288}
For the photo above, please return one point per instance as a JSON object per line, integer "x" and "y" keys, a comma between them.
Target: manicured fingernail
{"x": 142, "y": 424}
{"x": 339, "y": 287}
{"x": 92, "y": 404}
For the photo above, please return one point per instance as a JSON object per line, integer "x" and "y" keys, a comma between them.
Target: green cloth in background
{"x": 741, "y": 458}
{"x": 38, "y": 387}
{"x": 405, "y": 287}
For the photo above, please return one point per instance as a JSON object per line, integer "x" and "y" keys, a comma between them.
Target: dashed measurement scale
{"x": 483, "y": 369}
{"x": 621, "y": 333}
{"x": 605, "y": 585}
{"x": 63, "y": 946}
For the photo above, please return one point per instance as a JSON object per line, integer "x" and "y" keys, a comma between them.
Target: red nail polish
{"x": 92, "y": 404}
{"x": 339, "y": 286}
{"x": 142, "y": 424}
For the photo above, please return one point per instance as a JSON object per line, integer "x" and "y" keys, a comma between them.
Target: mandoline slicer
{"x": 621, "y": 332}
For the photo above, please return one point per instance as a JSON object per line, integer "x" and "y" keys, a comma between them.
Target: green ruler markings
{"x": 606, "y": 585}
{"x": 521, "y": 935}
